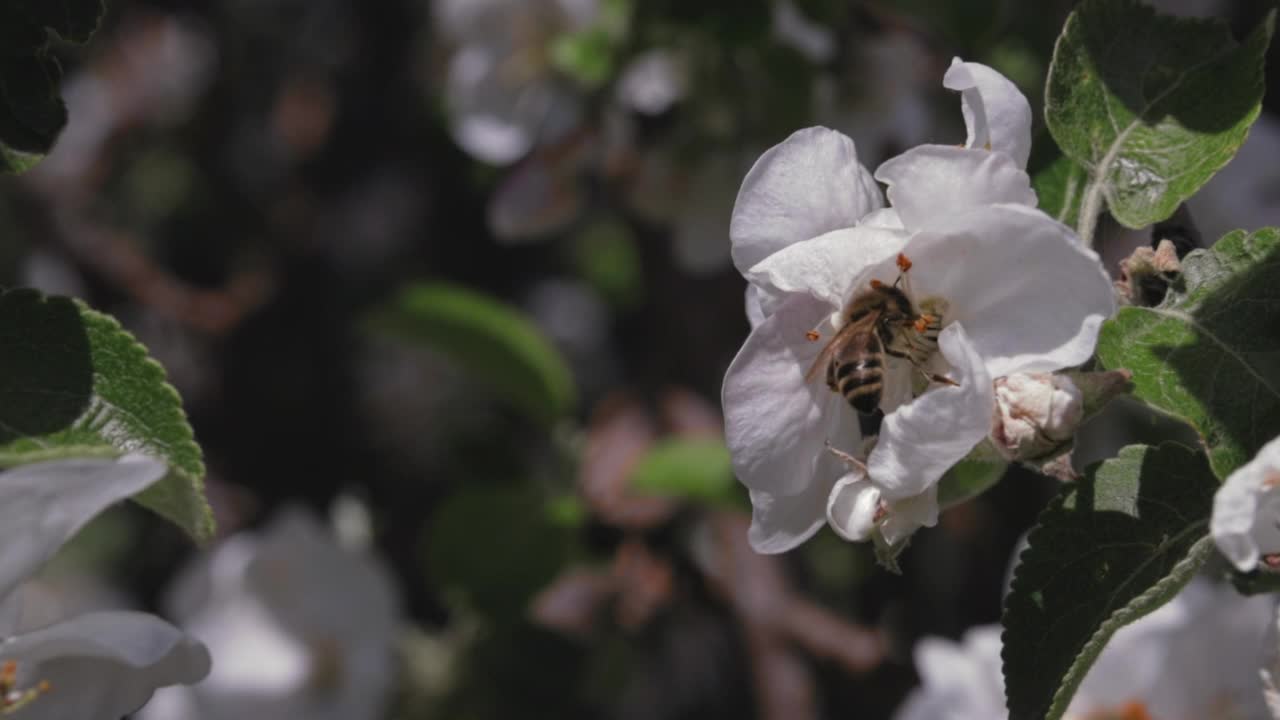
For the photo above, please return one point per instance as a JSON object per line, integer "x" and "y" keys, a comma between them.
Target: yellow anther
{"x": 11, "y": 698}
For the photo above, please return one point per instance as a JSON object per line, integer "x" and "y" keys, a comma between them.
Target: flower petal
{"x": 809, "y": 184}
{"x": 104, "y": 665}
{"x": 921, "y": 440}
{"x": 42, "y": 505}
{"x": 852, "y": 506}
{"x": 1030, "y": 296}
{"x": 910, "y": 514}
{"x": 931, "y": 184}
{"x": 777, "y": 422}
{"x": 1246, "y": 510}
{"x": 996, "y": 114}
{"x": 828, "y": 267}
{"x": 781, "y": 522}
{"x": 754, "y": 306}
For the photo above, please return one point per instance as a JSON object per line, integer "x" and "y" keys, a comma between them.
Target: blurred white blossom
{"x": 1015, "y": 291}
{"x": 299, "y": 628}
{"x": 95, "y": 665}
{"x": 1246, "y": 512}
{"x": 1196, "y": 657}
{"x": 502, "y": 92}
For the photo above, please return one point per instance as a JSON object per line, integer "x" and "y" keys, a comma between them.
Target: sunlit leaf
{"x": 73, "y": 383}
{"x": 1210, "y": 353}
{"x": 1149, "y": 104}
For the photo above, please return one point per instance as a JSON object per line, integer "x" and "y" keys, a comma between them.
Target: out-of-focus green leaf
{"x": 1109, "y": 549}
{"x": 606, "y": 256}
{"x": 496, "y": 547}
{"x": 31, "y": 110}
{"x": 1149, "y": 104}
{"x": 970, "y": 478}
{"x": 1210, "y": 353}
{"x": 586, "y": 56}
{"x": 697, "y": 470}
{"x": 1060, "y": 188}
{"x": 73, "y": 383}
{"x": 494, "y": 342}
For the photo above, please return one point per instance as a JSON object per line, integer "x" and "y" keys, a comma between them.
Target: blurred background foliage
{"x": 510, "y": 353}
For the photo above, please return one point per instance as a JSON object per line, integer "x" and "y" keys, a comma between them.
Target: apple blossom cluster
{"x": 1013, "y": 292}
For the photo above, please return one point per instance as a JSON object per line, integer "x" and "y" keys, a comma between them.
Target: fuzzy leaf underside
{"x": 1210, "y": 353}
{"x": 73, "y": 383}
{"x": 1109, "y": 549}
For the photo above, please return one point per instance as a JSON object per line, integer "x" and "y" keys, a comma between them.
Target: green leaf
{"x": 496, "y": 343}
{"x": 1109, "y": 549}
{"x": 1210, "y": 353}
{"x": 1151, "y": 105}
{"x": 73, "y": 383}
{"x": 31, "y": 110}
{"x": 1060, "y": 188}
{"x": 691, "y": 469}
{"x": 969, "y": 479}
{"x": 494, "y": 547}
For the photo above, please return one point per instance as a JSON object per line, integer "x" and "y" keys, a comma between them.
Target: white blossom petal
{"x": 42, "y": 505}
{"x": 777, "y": 422}
{"x": 886, "y": 218}
{"x": 996, "y": 114}
{"x": 1031, "y": 298}
{"x": 809, "y": 184}
{"x": 104, "y": 665}
{"x": 828, "y": 267}
{"x": 909, "y": 514}
{"x": 1246, "y": 510}
{"x": 781, "y": 522}
{"x": 754, "y": 306}
{"x": 852, "y": 506}
{"x": 653, "y": 81}
{"x": 921, "y": 440}
{"x": 929, "y": 185}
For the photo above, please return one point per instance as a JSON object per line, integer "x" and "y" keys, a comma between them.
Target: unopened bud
{"x": 1145, "y": 276}
{"x": 1036, "y": 414}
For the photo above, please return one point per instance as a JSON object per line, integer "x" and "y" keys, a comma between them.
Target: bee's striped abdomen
{"x": 861, "y": 380}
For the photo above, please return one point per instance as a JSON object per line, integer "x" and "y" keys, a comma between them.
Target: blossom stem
{"x": 1090, "y": 209}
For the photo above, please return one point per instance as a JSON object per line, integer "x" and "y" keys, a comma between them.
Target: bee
{"x": 878, "y": 322}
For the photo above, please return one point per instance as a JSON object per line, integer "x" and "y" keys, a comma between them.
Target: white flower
{"x": 97, "y": 665}
{"x": 1015, "y": 292}
{"x": 1196, "y": 657}
{"x": 298, "y": 628}
{"x": 1246, "y": 510}
{"x": 1036, "y": 413}
{"x": 502, "y": 93}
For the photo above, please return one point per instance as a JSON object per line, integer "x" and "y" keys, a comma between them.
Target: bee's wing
{"x": 844, "y": 336}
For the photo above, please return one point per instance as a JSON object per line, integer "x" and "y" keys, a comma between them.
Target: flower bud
{"x": 1036, "y": 414}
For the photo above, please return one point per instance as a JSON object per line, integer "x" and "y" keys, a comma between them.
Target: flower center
{"x": 13, "y": 698}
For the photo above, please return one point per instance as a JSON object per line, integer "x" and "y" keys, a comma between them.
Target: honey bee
{"x": 880, "y": 321}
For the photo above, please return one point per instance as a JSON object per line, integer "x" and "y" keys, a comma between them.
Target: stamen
{"x": 882, "y": 512}
{"x": 922, "y": 323}
{"x": 11, "y": 698}
{"x": 1272, "y": 561}
{"x": 876, "y": 284}
{"x": 904, "y": 263}
{"x": 812, "y": 336}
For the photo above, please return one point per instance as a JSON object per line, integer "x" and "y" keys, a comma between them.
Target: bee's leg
{"x": 846, "y": 458}
{"x": 934, "y": 377}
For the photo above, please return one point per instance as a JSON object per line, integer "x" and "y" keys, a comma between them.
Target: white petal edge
{"x": 829, "y": 267}
{"x": 43, "y": 504}
{"x": 809, "y": 184}
{"x": 921, "y": 440}
{"x": 776, "y": 421}
{"x": 1030, "y": 296}
{"x": 852, "y": 506}
{"x": 995, "y": 111}
{"x": 931, "y": 184}
{"x": 106, "y": 664}
{"x": 1246, "y": 510}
